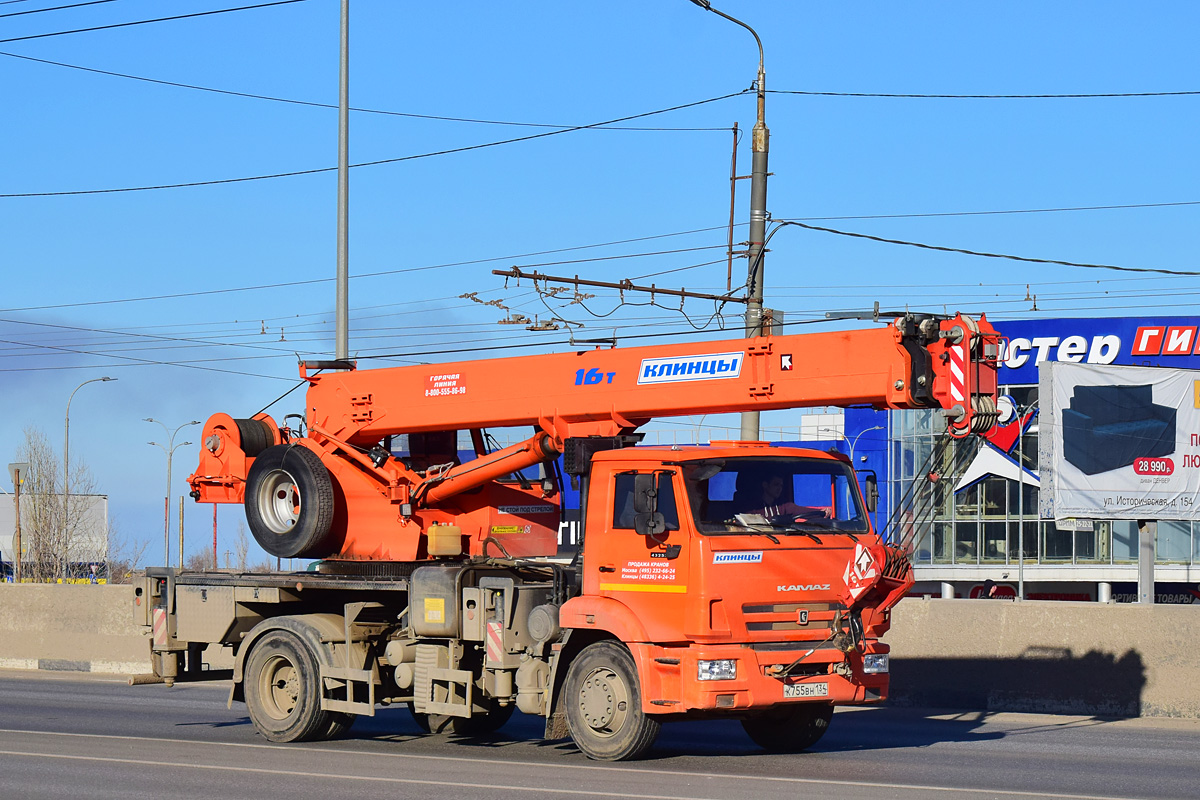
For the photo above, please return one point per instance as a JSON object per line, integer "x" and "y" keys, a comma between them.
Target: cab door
{"x": 645, "y": 571}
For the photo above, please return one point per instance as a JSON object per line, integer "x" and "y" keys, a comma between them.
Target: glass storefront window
{"x": 1174, "y": 543}
{"x": 941, "y": 543}
{"x": 966, "y": 502}
{"x": 1087, "y": 545}
{"x": 1125, "y": 540}
{"x": 1056, "y": 544}
{"x": 966, "y": 543}
{"x": 995, "y": 541}
{"x": 995, "y": 499}
{"x": 1031, "y": 540}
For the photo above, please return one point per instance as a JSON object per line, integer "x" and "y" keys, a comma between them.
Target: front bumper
{"x": 823, "y": 674}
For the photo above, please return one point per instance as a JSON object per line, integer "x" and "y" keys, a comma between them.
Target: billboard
{"x": 1119, "y": 442}
{"x": 89, "y": 542}
{"x": 1118, "y": 341}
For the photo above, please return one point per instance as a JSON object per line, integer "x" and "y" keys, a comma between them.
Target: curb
{"x": 67, "y": 665}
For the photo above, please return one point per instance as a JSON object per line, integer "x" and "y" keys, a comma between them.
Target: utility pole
{"x": 760, "y": 144}
{"x": 18, "y": 471}
{"x": 180, "y": 531}
{"x": 342, "y": 314}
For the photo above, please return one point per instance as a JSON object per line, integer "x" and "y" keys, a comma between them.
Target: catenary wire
{"x": 148, "y": 21}
{"x": 143, "y": 362}
{"x": 378, "y": 162}
{"x": 984, "y": 254}
{"x": 55, "y": 8}
{"x": 367, "y": 275}
{"x": 563, "y": 250}
{"x": 913, "y": 96}
{"x": 314, "y": 104}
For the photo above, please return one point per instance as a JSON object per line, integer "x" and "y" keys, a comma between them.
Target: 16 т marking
{"x": 593, "y": 376}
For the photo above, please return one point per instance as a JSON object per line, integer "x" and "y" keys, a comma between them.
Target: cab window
{"x": 623, "y": 512}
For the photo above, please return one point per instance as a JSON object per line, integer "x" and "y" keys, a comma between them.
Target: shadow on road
{"x": 1048, "y": 680}
{"x": 1043, "y": 680}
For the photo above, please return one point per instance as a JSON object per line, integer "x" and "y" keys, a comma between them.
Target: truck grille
{"x": 791, "y": 616}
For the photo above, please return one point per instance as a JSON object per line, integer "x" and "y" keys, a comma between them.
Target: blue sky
{"x": 556, "y": 63}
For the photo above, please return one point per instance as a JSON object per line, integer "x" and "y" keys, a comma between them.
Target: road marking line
{"x": 361, "y": 778}
{"x": 632, "y": 771}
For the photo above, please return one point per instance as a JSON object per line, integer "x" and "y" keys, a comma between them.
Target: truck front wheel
{"x": 604, "y": 704}
{"x": 791, "y": 728}
{"x": 283, "y": 688}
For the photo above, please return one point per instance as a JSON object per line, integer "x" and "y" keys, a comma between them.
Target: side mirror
{"x": 647, "y": 520}
{"x": 871, "y": 492}
{"x": 645, "y": 492}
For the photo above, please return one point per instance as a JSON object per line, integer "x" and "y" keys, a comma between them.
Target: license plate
{"x": 806, "y": 690}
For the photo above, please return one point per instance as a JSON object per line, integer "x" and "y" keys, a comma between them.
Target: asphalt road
{"x": 65, "y": 735}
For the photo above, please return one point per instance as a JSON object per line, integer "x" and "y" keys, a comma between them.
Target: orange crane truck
{"x": 735, "y": 580}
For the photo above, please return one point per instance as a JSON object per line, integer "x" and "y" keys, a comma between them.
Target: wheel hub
{"x": 604, "y": 701}
{"x": 279, "y": 502}
{"x": 282, "y": 684}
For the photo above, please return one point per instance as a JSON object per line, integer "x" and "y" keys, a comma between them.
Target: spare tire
{"x": 289, "y": 502}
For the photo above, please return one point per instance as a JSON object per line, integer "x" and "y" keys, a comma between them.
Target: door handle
{"x": 607, "y": 568}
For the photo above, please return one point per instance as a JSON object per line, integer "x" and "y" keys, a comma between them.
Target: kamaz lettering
{"x": 690, "y": 368}
{"x": 803, "y": 587}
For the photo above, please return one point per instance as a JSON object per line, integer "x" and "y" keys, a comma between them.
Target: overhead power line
{"x": 132, "y": 361}
{"x": 54, "y": 8}
{"x": 314, "y": 104}
{"x": 146, "y": 21}
{"x": 1002, "y": 211}
{"x": 983, "y": 254}
{"x": 382, "y": 273}
{"x": 382, "y": 160}
{"x": 913, "y": 96}
{"x": 367, "y": 275}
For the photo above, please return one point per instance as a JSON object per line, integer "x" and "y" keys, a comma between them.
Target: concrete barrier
{"x": 77, "y": 627}
{"x": 1052, "y": 657}
{"x": 1055, "y": 657}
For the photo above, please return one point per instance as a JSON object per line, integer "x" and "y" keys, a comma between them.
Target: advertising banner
{"x": 1119, "y": 341}
{"x": 1119, "y": 442}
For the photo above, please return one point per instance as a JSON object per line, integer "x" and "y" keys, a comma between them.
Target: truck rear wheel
{"x": 283, "y": 691}
{"x": 791, "y": 728}
{"x": 289, "y": 502}
{"x": 604, "y": 704}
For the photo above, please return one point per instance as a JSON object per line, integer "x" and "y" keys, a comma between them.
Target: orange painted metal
{"x": 674, "y": 604}
{"x": 381, "y": 510}
{"x": 605, "y": 391}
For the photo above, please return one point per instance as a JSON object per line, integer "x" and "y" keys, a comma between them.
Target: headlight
{"x": 874, "y": 663}
{"x": 723, "y": 670}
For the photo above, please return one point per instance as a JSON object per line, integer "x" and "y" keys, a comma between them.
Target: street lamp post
{"x": 169, "y": 448}
{"x": 851, "y": 443}
{"x": 760, "y": 138}
{"x": 67, "y": 473}
{"x": 856, "y": 437}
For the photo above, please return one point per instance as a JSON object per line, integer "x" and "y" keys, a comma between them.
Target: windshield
{"x": 780, "y": 494}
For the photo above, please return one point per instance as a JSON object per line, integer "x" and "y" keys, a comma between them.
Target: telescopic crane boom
{"x": 338, "y": 491}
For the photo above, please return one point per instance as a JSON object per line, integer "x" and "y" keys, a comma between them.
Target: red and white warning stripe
{"x": 958, "y": 372}
{"x": 495, "y": 641}
{"x": 158, "y": 617}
